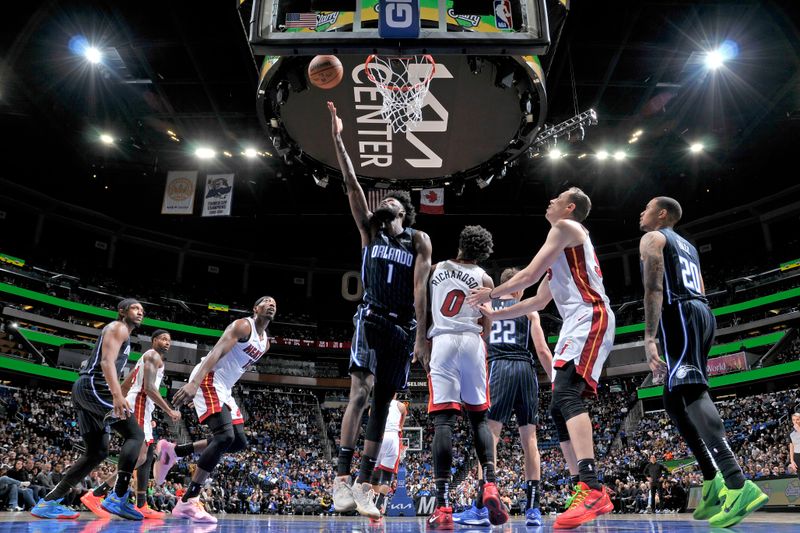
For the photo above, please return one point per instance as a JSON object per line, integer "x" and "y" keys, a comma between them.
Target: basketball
{"x": 325, "y": 72}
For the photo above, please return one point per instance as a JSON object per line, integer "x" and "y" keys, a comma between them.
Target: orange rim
{"x": 400, "y": 88}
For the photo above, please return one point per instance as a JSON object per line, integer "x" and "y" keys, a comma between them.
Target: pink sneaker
{"x": 193, "y": 510}
{"x": 165, "y": 459}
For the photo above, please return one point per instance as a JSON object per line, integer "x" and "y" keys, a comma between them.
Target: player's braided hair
{"x": 405, "y": 200}
{"x": 475, "y": 243}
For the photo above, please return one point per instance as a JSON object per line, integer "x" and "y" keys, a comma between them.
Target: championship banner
{"x": 725, "y": 364}
{"x": 218, "y": 196}
{"x": 179, "y": 193}
{"x": 10, "y": 259}
{"x": 218, "y": 307}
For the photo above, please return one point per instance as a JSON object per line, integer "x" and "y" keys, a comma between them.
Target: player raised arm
{"x": 528, "y": 305}
{"x": 651, "y": 249}
{"x": 355, "y": 194}
{"x": 238, "y": 329}
{"x": 422, "y": 270}
{"x": 561, "y": 235}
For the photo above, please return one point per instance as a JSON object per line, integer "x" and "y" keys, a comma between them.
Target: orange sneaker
{"x": 93, "y": 502}
{"x": 587, "y": 504}
{"x": 442, "y": 518}
{"x": 147, "y": 512}
{"x": 491, "y": 500}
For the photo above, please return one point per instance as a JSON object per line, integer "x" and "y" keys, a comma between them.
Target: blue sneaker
{"x": 472, "y": 517}
{"x": 533, "y": 517}
{"x": 53, "y": 509}
{"x": 120, "y": 506}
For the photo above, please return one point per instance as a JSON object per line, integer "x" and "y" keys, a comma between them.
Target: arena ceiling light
{"x": 716, "y": 58}
{"x": 619, "y": 155}
{"x": 250, "y": 153}
{"x": 696, "y": 148}
{"x": 93, "y": 54}
{"x": 602, "y": 155}
{"x": 555, "y": 153}
{"x": 204, "y": 153}
{"x": 105, "y": 138}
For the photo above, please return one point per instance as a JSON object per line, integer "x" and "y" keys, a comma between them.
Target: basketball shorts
{"x": 382, "y": 347}
{"x": 210, "y": 398}
{"x": 515, "y": 390}
{"x": 687, "y": 333}
{"x": 389, "y": 456}
{"x": 94, "y": 404}
{"x": 143, "y": 413}
{"x": 458, "y": 373}
{"x": 586, "y": 338}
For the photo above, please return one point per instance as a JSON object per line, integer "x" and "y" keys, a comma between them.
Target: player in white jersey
{"x": 210, "y": 386}
{"x": 457, "y": 370}
{"x": 141, "y": 389}
{"x": 574, "y": 280}
{"x": 390, "y": 455}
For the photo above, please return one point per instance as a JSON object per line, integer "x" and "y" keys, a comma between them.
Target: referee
{"x": 794, "y": 445}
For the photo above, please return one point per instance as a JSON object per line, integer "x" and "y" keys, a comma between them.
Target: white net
{"x": 403, "y": 82}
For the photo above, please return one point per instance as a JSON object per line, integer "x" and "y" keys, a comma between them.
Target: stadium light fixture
{"x": 696, "y": 148}
{"x": 93, "y": 55}
{"x": 105, "y": 138}
{"x": 204, "y": 153}
{"x": 602, "y": 155}
{"x": 555, "y": 153}
{"x": 619, "y": 155}
{"x": 250, "y": 153}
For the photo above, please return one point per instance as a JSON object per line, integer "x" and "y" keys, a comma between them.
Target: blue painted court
{"x": 24, "y": 523}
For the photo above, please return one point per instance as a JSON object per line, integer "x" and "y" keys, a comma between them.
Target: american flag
{"x": 301, "y": 20}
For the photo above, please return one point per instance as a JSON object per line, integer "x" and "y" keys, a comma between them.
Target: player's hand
{"x": 657, "y": 365}
{"x": 174, "y": 415}
{"x": 486, "y": 310}
{"x": 422, "y": 353}
{"x": 336, "y": 122}
{"x": 121, "y": 407}
{"x": 792, "y": 467}
{"x": 185, "y": 394}
{"x": 478, "y": 296}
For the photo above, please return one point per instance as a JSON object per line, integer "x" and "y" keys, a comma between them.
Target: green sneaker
{"x": 738, "y": 504}
{"x": 710, "y": 502}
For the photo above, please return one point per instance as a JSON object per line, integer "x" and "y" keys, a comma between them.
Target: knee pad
{"x": 560, "y": 422}
{"x": 568, "y": 399}
{"x": 224, "y": 439}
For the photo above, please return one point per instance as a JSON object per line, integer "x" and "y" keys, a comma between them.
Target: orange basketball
{"x": 325, "y": 72}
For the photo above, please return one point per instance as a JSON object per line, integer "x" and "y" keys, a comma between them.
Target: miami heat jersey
{"x": 576, "y": 281}
{"x": 394, "y": 422}
{"x": 142, "y": 405}
{"x": 450, "y": 284}
{"x": 137, "y": 383}
{"x": 242, "y": 356}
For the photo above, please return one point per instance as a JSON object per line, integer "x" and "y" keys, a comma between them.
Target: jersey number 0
{"x": 452, "y": 303}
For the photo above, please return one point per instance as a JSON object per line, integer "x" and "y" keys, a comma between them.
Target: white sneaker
{"x": 364, "y": 497}
{"x": 343, "y": 501}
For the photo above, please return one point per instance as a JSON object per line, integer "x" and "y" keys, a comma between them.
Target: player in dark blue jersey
{"x": 101, "y": 406}
{"x": 674, "y": 297}
{"x": 515, "y": 390}
{"x": 396, "y": 262}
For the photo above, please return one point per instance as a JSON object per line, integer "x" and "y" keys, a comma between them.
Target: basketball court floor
{"x": 24, "y": 523}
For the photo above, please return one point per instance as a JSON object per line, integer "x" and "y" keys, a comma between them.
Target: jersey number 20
{"x": 691, "y": 274}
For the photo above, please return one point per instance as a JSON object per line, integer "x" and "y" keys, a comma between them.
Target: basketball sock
{"x": 479, "y": 499}
{"x": 141, "y": 499}
{"x": 488, "y": 472}
{"x": 531, "y": 493}
{"x": 192, "y": 492}
{"x": 182, "y": 450}
{"x": 345, "y": 461}
{"x": 588, "y": 473}
{"x": 379, "y": 501}
{"x": 442, "y": 490}
{"x": 101, "y": 490}
{"x": 366, "y": 468}
{"x": 574, "y": 479}
{"x": 123, "y": 483}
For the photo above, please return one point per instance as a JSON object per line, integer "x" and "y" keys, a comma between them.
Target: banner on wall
{"x": 179, "y": 192}
{"x": 218, "y": 195}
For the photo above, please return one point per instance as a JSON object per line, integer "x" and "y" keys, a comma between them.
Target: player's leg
{"x": 116, "y": 502}
{"x": 143, "y": 472}
{"x": 476, "y": 396}
{"x": 527, "y": 412}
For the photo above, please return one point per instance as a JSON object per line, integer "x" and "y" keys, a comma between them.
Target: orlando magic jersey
{"x": 509, "y": 337}
{"x": 93, "y": 367}
{"x": 681, "y": 269}
{"x": 387, "y": 272}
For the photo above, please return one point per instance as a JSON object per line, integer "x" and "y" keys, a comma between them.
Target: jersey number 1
{"x": 452, "y": 303}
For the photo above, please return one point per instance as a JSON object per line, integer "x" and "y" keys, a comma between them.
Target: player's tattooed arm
{"x": 651, "y": 250}
{"x": 355, "y": 194}
{"x": 149, "y": 372}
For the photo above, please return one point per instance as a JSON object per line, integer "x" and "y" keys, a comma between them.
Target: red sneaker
{"x": 491, "y": 500}
{"x": 93, "y": 502}
{"x": 149, "y": 513}
{"x": 587, "y": 504}
{"x": 442, "y": 518}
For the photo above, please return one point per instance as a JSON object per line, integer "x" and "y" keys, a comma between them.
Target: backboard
{"x": 399, "y": 27}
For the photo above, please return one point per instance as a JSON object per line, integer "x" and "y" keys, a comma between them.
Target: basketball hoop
{"x": 403, "y": 82}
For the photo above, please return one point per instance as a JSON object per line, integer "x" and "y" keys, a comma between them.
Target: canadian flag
{"x": 431, "y": 201}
